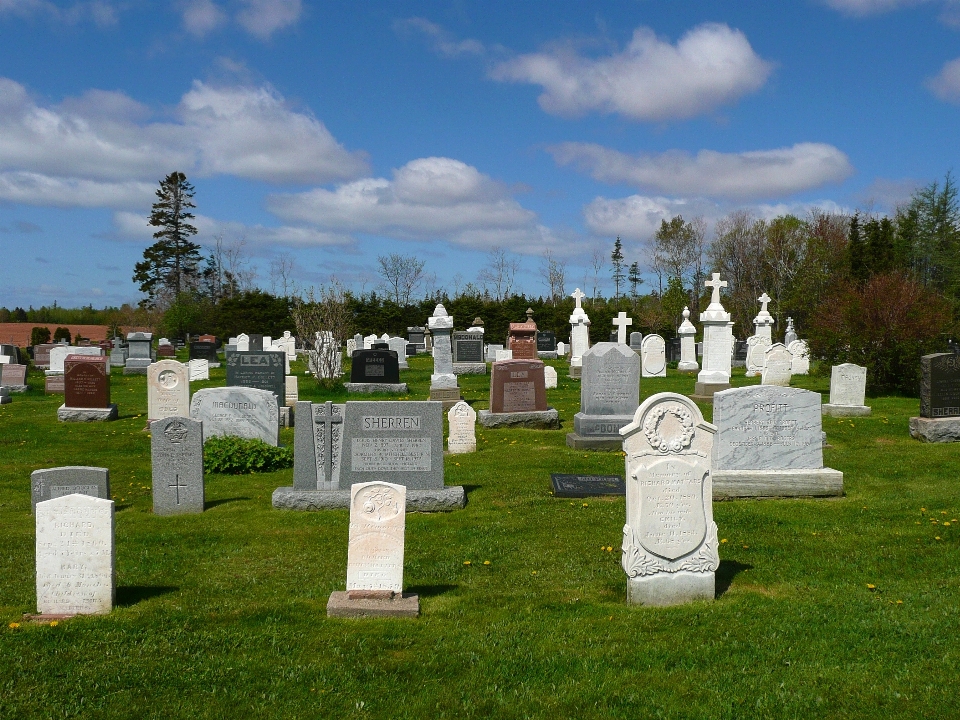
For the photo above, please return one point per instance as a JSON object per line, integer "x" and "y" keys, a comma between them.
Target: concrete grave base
{"x": 548, "y": 419}
{"x": 448, "y": 396}
{"x": 127, "y": 370}
{"x": 609, "y": 442}
{"x": 823, "y": 482}
{"x": 844, "y": 410}
{"x": 376, "y": 387}
{"x": 470, "y": 368}
{"x": 704, "y": 392}
{"x": 342, "y": 605}
{"x": 445, "y": 499}
{"x": 66, "y": 414}
{"x": 16, "y": 388}
{"x": 547, "y": 354}
{"x": 938, "y": 430}
{"x": 575, "y": 371}
{"x": 676, "y": 588}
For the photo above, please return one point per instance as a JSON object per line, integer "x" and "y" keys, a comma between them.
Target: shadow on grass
{"x": 128, "y": 595}
{"x": 210, "y": 504}
{"x": 430, "y": 590}
{"x": 467, "y": 489}
{"x": 727, "y": 571}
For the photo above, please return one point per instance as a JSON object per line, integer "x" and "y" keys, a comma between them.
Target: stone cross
{"x": 621, "y": 321}
{"x": 328, "y": 420}
{"x": 578, "y": 296}
{"x": 176, "y": 485}
{"x": 764, "y": 299}
{"x": 716, "y": 283}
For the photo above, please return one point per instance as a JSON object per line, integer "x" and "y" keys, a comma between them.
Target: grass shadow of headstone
{"x": 727, "y": 571}
{"x": 430, "y": 590}
{"x": 210, "y": 504}
{"x": 128, "y": 595}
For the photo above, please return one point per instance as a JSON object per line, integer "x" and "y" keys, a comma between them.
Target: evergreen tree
{"x": 905, "y": 238}
{"x": 633, "y": 276}
{"x": 856, "y": 251}
{"x": 169, "y": 266}
{"x": 878, "y": 243}
{"x": 618, "y": 276}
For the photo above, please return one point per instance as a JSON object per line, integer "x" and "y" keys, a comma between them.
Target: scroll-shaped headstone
{"x": 670, "y": 548}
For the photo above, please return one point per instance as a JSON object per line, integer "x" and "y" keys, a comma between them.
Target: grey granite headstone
{"x": 177, "y": 451}
{"x": 609, "y": 396}
{"x": 49, "y": 483}
{"x": 317, "y": 444}
{"x": 770, "y": 444}
{"x": 239, "y": 411}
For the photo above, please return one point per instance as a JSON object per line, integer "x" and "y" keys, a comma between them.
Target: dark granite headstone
{"x": 517, "y": 386}
{"x": 85, "y": 382}
{"x": 415, "y": 336}
{"x": 380, "y": 346}
{"x": 546, "y": 341}
{"x": 578, "y": 486}
{"x": 740, "y": 351}
{"x": 613, "y": 336}
{"x": 260, "y": 370}
{"x": 673, "y": 350}
{"x": 256, "y": 343}
{"x": 375, "y": 366}
{"x": 204, "y": 351}
{"x": 467, "y": 347}
{"x": 12, "y": 352}
{"x": 940, "y": 385}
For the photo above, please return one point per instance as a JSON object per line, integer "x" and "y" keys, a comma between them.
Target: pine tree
{"x": 169, "y": 266}
{"x": 633, "y": 276}
{"x": 618, "y": 276}
{"x": 856, "y": 251}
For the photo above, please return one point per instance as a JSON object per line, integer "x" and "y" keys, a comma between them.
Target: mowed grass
{"x": 841, "y": 608}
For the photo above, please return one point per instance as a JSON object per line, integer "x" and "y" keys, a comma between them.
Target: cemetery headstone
{"x": 242, "y": 342}
{"x": 14, "y": 377}
{"x": 636, "y": 340}
{"x": 318, "y": 442}
{"x": 256, "y": 342}
{"x": 86, "y": 389}
{"x": 579, "y": 486}
{"x": 463, "y": 434}
{"x": 399, "y": 346}
{"x": 75, "y": 556}
{"x": 199, "y": 370}
{"x": 688, "y": 355}
{"x": 622, "y": 322}
{"x": 237, "y": 411}
{"x": 205, "y": 351}
{"x": 4, "y": 395}
{"x": 176, "y": 445}
{"x": 848, "y": 385}
{"x": 717, "y": 345}
{"x": 522, "y": 338}
{"x": 444, "y": 386}
{"x": 790, "y": 335}
{"x": 415, "y": 336}
{"x": 777, "y": 366}
{"x": 41, "y": 355}
{"x": 492, "y": 350}
{"x": 762, "y": 338}
{"x": 549, "y": 377}
{"x": 609, "y": 396}
{"x": 546, "y": 345}
{"x": 561, "y": 349}
{"x": 292, "y": 390}
{"x": 939, "y": 419}
{"x": 351, "y": 347}
{"x": 670, "y": 545}
{"x": 263, "y": 370}
{"x": 770, "y": 444}
{"x": 375, "y": 371}
{"x": 50, "y": 483}
{"x": 139, "y": 353}
{"x": 168, "y": 390}
{"x": 375, "y": 555}
{"x": 653, "y": 356}
{"x": 502, "y": 355}
{"x": 518, "y": 396}
{"x": 801, "y": 357}
{"x": 468, "y": 354}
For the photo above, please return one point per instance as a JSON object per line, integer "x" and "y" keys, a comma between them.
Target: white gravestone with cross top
{"x": 717, "y": 344}
{"x": 579, "y": 331}
{"x": 761, "y": 340}
{"x": 622, "y": 322}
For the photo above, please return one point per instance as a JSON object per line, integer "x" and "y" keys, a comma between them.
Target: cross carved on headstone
{"x": 764, "y": 299}
{"x": 716, "y": 283}
{"x": 328, "y": 420}
{"x": 578, "y": 296}
{"x": 177, "y": 485}
{"x": 621, "y": 321}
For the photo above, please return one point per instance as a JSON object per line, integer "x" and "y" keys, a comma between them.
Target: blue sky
{"x": 324, "y": 134}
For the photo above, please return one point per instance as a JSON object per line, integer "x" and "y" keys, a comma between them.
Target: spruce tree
{"x": 618, "y": 276}
{"x": 856, "y": 251}
{"x": 169, "y": 266}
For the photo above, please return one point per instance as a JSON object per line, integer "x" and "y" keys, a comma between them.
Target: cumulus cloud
{"x": 262, "y": 18}
{"x": 946, "y": 83}
{"x": 711, "y": 65}
{"x": 746, "y": 175}
{"x": 870, "y": 7}
{"x": 102, "y": 140}
{"x": 201, "y": 17}
{"x": 427, "y": 199}
{"x": 442, "y": 41}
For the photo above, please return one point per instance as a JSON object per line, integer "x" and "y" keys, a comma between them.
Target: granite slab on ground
{"x": 548, "y": 419}
{"x": 444, "y": 499}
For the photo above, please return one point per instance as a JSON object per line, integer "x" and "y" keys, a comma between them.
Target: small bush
{"x": 238, "y": 456}
{"x": 39, "y": 336}
{"x": 61, "y": 333}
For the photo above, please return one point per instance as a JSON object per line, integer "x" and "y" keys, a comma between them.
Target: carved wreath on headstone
{"x": 651, "y": 428}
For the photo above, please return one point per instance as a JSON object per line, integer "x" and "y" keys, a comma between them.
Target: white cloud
{"x": 746, "y": 175}
{"x": 946, "y": 83}
{"x": 105, "y": 137}
{"x": 711, "y": 65}
{"x": 201, "y": 17}
{"x": 870, "y": 7}
{"x": 262, "y": 18}
{"x": 38, "y": 189}
{"x": 432, "y": 198}
{"x": 442, "y": 41}
{"x": 102, "y": 13}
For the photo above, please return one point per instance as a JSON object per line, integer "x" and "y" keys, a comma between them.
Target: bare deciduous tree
{"x": 498, "y": 275}
{"x": 402, "y": 275}
{"x": 318, "y": 312}
{"x": 554, "y": 276}
{"x": 598, "y": 258}
{"x": 281, "y": 275}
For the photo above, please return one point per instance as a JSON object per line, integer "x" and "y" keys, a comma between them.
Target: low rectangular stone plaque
{"x": 575, "y": 486}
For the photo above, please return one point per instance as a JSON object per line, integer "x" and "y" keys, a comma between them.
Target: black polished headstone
{"x": 467, "y": 347}
{"x": 940, "y": 385}
{"x": 576, "y": 486}
{"x": 261, "y": 370}
{"x": 613, "y": 336}
{"x": 375, "y": 366}
{"x": 546, "y": 341}
{"x": 204, "y": 351}
{"x": 256, "y": 343}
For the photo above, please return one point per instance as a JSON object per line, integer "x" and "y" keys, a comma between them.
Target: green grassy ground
{"x": 827, "y": 608}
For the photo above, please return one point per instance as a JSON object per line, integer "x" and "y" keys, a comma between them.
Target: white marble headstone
{"x": 243, "y": 342}
{"x": 199, "y": 369}
{"x": 653, "y": 356}
{"x": 168, "y": 390}
{"x": 549, "y": 377}
{"x": 801, "y": 357}
{"x": 848, "y": 385}
{"x": 377, "y": 526}
{"x": 777, "y": 366}
{"x": 463, "y": 429}
{"x": 504, "y": 355}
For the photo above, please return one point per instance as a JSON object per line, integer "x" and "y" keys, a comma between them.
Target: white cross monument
{"x": 622, "y": 321}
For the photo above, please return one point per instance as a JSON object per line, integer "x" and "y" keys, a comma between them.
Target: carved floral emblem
{"x": 675, "y": 443}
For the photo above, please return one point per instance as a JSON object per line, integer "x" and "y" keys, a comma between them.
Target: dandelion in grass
{"x": 466, "y": 562}
{"x": 609, "y": 548}
{"x": 13, "y": 626}
{"x": 54, "y": 623}
{"x": 486, "y": 562}
{"x": 871, "y": 586}
{"x": 899, "y": 602}
{"x": 586, "y": 505}
{"x": 534, "y": 572}
{"x": 937, "y": 537}
{"x": 723, "y": 541}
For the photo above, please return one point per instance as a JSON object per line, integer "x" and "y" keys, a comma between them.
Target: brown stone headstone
{"x": 166, "y": 351}
{"x": 522, "y": 339}
{"x": 517, "y": 386}
{"x": 41, "y": 354}
{"x": 13, "y": 374}
{"x": 207, "y": 338}
{"x": 85, "y": 382}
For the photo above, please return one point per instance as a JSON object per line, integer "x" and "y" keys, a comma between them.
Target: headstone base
{"x": 547, "y": 354}
{"x": 342, "y": 605}
{"x": 575, "y": 371}
{"x": 4, "y": 396}
{"x": 45, "y": 618}
{"x": 597, "y": 442}
{"x": 16, "y": 388}
{"x": 286, "y": 416}
{"x": 938, "y": 430}
{"x": 677, "y": 588}
{"x": 376, "y": 387}
{"x": 448, "y": 396}
{"x": 823, "y": 482}
{"x": 548, "y": 419}
{"x": 53, "y": 385}
{"x": 66, "y": 414}
{"x": 688, "y": 367}
{"x": 845, "y": 410}
{"x": 445, "y": 499}
{"x": 704, "y": 392}
{"x": 470, "y": 368}
{"x": 134, "y": 370}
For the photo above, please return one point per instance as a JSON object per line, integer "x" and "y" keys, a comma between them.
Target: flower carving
{"x": 651, "y": 428}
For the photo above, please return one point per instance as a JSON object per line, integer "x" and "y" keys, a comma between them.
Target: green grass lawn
{"x": 841, "y": 608}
